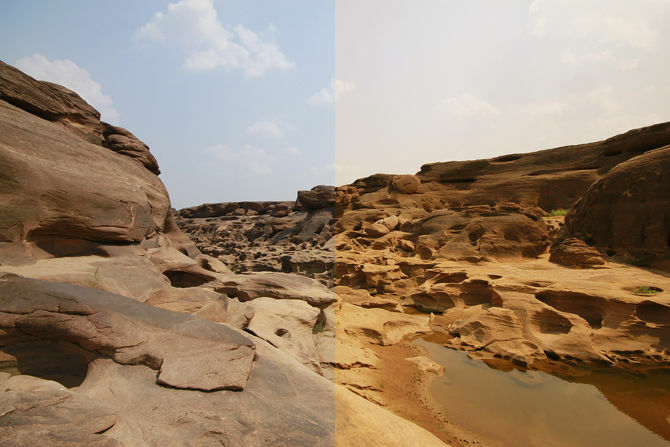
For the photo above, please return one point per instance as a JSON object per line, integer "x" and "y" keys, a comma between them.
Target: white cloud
{"x": 254, "y": 159}
{"x": 293, "y": 150}
{"x": 266, "y": 129}
{"x": 70, "y": 75}
{"x": 322, "y": 97}
{"x": 467, "y": 105}
{"x": 194, "y": 26}
{"x": 334, "y": 92}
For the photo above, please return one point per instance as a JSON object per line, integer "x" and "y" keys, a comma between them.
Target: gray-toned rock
{"x": 119, "y": 328}
{"x": 275, "y": 285}
{"x": 55, "y": 185}
{"x": 321, "y": 196}
{"x": 287, "y": 325}
{"x": 40, "y": 412}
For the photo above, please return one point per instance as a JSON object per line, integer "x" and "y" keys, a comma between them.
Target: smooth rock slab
{"x": 276, "y": 285}
{"x": 188, "y": 352}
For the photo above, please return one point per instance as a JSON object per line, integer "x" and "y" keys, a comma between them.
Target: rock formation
{"x": 627, "y": 211}
{"x": 115, "y": 330}
{"x": 465, "y": 251}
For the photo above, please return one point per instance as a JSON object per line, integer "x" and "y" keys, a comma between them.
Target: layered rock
{"x": 50, "y": 102}
{"x": 59, "y": 182}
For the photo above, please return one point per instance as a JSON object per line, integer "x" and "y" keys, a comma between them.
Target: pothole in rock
{"x": 179, "y": 278}
{"x": 646, "y": 290}
{"x": 61, "y": 362}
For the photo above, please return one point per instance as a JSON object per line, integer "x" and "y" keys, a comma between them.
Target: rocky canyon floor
{"x": 519, "y": 300}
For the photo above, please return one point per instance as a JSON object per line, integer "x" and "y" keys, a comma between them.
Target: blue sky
{"x": 236, "y": 125}
{"x": 254, "y": 100}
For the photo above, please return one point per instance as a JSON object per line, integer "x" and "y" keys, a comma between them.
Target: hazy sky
{"x": 255, "y": 99}
{"x": 439, "y": 80}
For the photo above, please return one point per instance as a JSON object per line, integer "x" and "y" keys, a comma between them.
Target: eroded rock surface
{"x": 628, "y": 210}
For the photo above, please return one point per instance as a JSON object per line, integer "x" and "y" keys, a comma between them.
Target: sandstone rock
{"x": 427, "y": 365}
{"x": 406, "y": 245}
{"x": 132, "y": 276}
{"x": 199, "y": 301}
{"x": 481, "y": 330}
{"x": 406, "y": 184}
{"x": 349, "y": 353}
{"x": 321, "y": 196}
{"x": 124, "y": 142}
{"x": 379, "y": 326}
{"x": 287, "y": 325}
{"x": 50, "y": 102}
{"x": 390, "y": 222}
{"x": 382, "y": 426}
{"x": 41, "y": 412}
{"x": 275, "y": 285}
{"x": 115, "y": 326}
{"x": 376, "y": 229}
{"x": 628, "y": 209}
{"x": 59, "y": 197}
{"x": 549, "y": 179}
{"x": 575, "y": 252}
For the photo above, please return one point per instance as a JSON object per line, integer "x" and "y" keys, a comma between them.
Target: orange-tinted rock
{"x": 406, "y": 184}
{"x": 575, "y": 252}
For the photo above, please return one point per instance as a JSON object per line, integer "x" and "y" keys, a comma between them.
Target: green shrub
{"x": 642, "y": 261}
{"x": 557, "y": 212}
{"x": 95, "y": 280}
{"x": 318, "y": 327}
{"x": 645, "y": 290}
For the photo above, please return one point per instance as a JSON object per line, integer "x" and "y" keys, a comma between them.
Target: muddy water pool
{"x": 532, "y": 408}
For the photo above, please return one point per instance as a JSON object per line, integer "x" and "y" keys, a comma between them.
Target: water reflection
{"x": 537, "y": 409}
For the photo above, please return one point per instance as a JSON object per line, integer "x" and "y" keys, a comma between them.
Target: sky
{"x": 256, "y": 99}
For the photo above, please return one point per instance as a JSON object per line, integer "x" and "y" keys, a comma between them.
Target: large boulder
{"x": 321, "y": 196}
{"x": 65, "y": 175}
{"x": 275, "y": 285}
{"x": 575, "y": 252}
{"x": 628, "y": 210}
